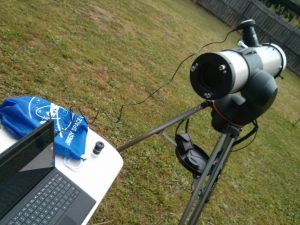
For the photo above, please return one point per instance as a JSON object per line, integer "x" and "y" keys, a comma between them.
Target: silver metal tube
{"x": 161, "y": 128}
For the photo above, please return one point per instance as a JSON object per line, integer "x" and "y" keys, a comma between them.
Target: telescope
{"x": 239, "y": 85}
{"x": 214, "y": 75}
{"x": 250, "y": 69}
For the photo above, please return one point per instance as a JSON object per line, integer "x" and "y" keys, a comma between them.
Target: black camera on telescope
{"x": 250, "y": 68}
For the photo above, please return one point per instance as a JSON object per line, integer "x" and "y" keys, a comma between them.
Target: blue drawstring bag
{"x": 21, "y": 115}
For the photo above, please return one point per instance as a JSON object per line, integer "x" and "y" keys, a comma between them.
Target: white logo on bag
{"x": 45, "y": 112}
{"x": 73, "y": 129}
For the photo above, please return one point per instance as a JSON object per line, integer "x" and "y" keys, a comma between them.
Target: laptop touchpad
{"x": 68, "y": 221}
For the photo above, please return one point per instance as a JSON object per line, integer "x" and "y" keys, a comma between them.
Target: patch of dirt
{"x": 35, "y": 42}
{"x": 101, "y": 76}
{"x": 104, "y": 20}
{"x": 101, "y": 73}
{"x": 101, "y": 18}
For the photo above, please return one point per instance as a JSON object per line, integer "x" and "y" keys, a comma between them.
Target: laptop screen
{"x": 24, "y": 165}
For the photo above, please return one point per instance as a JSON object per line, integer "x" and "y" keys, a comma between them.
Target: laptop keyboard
{"x": 54, "y": 197}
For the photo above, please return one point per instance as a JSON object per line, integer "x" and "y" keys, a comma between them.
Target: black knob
{"x": 98, "y": 147}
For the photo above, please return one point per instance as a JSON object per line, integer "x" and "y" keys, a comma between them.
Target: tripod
{"x": 250, "y": 69}
{"x": 204, "y": 183}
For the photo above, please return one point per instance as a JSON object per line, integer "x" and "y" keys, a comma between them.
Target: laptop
{"x": 32, "y": 190}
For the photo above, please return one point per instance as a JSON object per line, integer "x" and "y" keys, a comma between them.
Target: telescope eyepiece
{"x": 249, "y": 34}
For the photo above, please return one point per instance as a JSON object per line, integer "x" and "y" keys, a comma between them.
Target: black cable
{"x": 215, "y": 42}
{"x": 236, "y": 150}
{"x": 252, "y": 132}
{"x": 72, "y": 119}
{"x": 187, "y": 125}
{"x": 178, "y": 126}
{"x": 162, "y": 86}
{"x": 152, "y": 93}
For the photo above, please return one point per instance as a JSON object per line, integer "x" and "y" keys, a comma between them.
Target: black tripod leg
{"x": 231, "y": 136}
{"x": 200, "y": 184}
{"x": 206, "y": 183}
{"x": 216, "y": 181}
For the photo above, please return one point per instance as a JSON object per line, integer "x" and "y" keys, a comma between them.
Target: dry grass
{"x": 100, "y": 54}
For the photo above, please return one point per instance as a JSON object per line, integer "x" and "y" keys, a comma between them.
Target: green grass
{"x": 100, "y": 54}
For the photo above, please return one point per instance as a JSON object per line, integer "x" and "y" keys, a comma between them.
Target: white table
{"x": 94, "y": 175}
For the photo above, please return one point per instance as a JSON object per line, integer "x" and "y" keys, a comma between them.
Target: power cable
{"x": 121, "y": 110}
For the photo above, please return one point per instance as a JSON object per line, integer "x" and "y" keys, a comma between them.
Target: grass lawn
{"x": 100, "y": 54}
